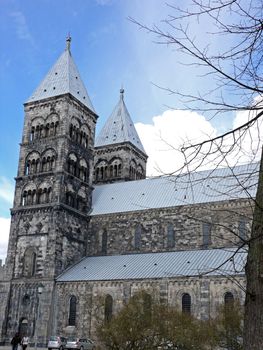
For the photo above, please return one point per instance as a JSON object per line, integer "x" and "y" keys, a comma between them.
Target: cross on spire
{"x": 68, "y": 42}
{"x": 122, "y": 93}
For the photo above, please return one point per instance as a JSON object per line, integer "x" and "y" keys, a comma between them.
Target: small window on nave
{"x": 170, "y": 236}
{"x": 242, "y": 228}
{"x": 206, "y": 227}
{"x": 228, "y": 299}
{"x": 72, "y": 311}
{"x": 147, "y": 305}
{"x": 138, "y": 237}
{"x": 108, "y": 308}
{"x": 186, "y": 303}
{"x": 104, "y": 242}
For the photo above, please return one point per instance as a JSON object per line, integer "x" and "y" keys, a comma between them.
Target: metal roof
{"x": 63, "y": 78}
{"x": 170, "y": 191}
{"x": 213, "y": 262}
{"x": 119, "y": 128}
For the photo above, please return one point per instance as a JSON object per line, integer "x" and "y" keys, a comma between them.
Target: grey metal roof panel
{"x": 63, "y": 78}
{"x": 119, "y": 128}
{"x": 171, "y": 191}
{"x": 213, "y": 262}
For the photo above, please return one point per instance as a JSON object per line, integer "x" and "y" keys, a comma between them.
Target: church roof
{"x": 119, "y": 128}
{"x": 213, "y": 262}
{"x": 170, "y": 191}
{"x": 61, "y": 79}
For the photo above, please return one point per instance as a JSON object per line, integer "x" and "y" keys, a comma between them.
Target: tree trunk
{"x": 253, "y": 323}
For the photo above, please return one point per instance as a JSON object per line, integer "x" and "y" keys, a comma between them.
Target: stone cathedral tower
{"x": 52, "y": 195}
{"x": 119, "y": 153}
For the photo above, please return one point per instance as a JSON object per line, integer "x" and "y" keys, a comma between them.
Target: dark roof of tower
{"x": 119, "y": 128}
{"x": 61, "y": 79}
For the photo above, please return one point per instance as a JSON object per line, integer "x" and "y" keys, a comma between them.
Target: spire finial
{"x": 121, "y": 92}
{"x": 68, "y": 41}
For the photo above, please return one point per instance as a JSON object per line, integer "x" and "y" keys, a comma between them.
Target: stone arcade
{"x": 87, "y": 225}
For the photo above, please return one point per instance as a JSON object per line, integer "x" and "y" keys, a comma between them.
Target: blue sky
{"x": 109, "y": 51}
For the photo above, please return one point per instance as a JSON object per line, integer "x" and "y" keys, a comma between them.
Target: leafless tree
{"x": 237, "y": 75}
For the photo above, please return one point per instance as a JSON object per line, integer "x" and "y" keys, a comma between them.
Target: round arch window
{"x": 26, "y": 300}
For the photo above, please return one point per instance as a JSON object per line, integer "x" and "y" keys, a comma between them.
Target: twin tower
{"x": 59, "y": 163}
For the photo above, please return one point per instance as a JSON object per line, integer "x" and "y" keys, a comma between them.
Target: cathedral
{"x": 89, "y": 230}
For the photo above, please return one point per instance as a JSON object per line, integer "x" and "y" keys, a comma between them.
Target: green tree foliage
{"x": 228, "y": 326}
{"x": 146, "y": 324}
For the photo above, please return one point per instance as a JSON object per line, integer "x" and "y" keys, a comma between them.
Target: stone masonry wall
{"x": 91, "y": 298}
{"x": 187, "y": 223}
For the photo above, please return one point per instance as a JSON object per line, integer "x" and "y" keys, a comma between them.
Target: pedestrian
{"x": 25, "y": 341}
{"x": 16, "y": 340}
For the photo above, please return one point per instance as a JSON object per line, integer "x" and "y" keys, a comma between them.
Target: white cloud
{"x": 168, "y": 132}
{"x": 163, "y": 138}
{"x": 4, "y": 234}
{"x": 6, "y": 190}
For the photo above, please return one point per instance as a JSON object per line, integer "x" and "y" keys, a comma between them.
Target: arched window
{"x": 30, "y": 258}
{"x": 70, "y": 200}
{"x": 32, "y": 133}
{"x": 170, "y": 236}
{"x": 28, "y": 167}
{"x": 47, "y": 130}
{"x": 186, "y": 303}
{"x": 108, "y": 308}
{"x": 40, "y": 196}
{"x": 101, "y": 173}
{"x": 24, "y": 198}
{"x": 72, "y": 311}
{"x": 104, "y": 242}
{"x": 138, "y": 237}
{"x": 147, "y": 305}
{"x": 37, "y": 132}
{"x": 56, "y": 128}
{"x": 228, "y": 299}
{"x": 23, "y": 327}
{"x": 207, "y": 227}
{"x": 44, "y": 164}
{"x": 242, "y": 228}
{"x": 26, "y": 300}
{"x": 51, "y": 129}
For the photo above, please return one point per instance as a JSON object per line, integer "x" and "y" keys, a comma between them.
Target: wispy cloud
{"x": 6, "y": 189}
{"x": 22, "y": 29}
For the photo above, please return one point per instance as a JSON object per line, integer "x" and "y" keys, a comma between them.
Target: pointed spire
{"x": 119, "y": 127}
{"x": 63, "y": 78}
